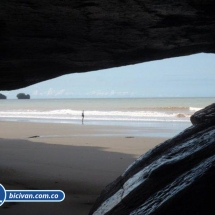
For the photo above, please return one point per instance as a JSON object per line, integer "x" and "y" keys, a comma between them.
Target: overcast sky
{"x": 190, "y": 76}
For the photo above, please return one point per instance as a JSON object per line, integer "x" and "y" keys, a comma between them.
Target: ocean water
{"x": 169, "y": 114}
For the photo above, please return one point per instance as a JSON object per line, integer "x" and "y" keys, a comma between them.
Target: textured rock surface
{"x": 176, "y": 177}
{"x": 43, "y": 39}
{"x": 206, "y": 115}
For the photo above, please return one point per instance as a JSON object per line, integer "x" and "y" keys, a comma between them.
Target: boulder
{"x": 205, "y": 115}
{"x": 176, "y": 177}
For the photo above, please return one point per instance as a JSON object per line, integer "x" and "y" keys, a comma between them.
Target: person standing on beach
{"x": 82, "y": 117}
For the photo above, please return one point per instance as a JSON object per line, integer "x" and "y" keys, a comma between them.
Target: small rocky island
{"x": 3, "y": 96}
{"x": 23, "y": 96}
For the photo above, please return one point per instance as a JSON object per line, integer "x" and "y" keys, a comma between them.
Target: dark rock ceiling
{"x": 48, "y": 38}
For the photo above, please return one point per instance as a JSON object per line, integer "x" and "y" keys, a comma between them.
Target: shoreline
{"x": 81, "y": 164}
{"x": 163, "y": 129}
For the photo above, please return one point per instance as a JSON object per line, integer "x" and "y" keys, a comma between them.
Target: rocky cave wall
{"x": 48, "y": 38}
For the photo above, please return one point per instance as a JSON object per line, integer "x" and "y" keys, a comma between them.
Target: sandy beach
{"x": 78, "y": 159}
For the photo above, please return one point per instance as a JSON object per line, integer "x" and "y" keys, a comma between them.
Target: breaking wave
{"x": 195, "y": 108}
{"x": 68, "y": 114}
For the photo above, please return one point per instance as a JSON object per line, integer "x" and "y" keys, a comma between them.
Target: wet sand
{"x": 78, "y": 159}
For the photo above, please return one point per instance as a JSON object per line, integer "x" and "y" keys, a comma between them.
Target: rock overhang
{"x": 41, "y": 40}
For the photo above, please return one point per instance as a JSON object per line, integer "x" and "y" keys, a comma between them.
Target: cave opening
{"x": 127, "y": 111}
